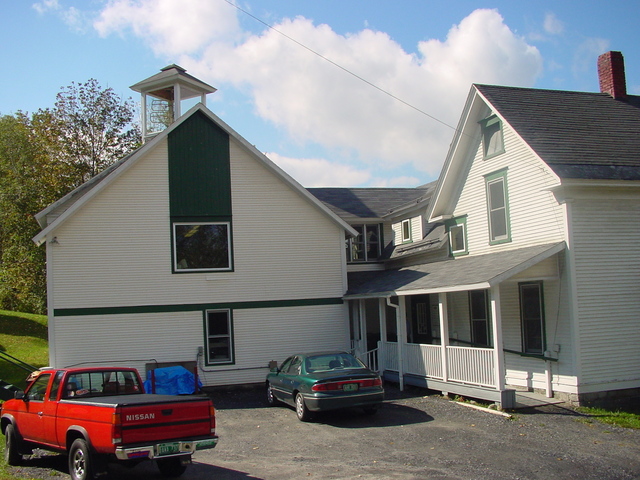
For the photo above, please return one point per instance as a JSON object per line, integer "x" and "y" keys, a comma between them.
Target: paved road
{"x": 412, "y": 437}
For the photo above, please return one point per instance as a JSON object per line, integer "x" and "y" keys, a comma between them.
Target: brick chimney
{"x": 611, "y": 75}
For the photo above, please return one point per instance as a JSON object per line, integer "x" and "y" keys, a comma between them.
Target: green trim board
{"x": 195, "y": 307}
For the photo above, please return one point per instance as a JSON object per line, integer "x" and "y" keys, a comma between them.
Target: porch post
{"x": 444, "y": 333}
{"x": 496, "y": 324}
{"x": 362, "y": 325}
{"x": 401, "y": 327}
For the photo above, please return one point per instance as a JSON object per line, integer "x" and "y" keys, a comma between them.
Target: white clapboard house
{"x": 194, "y": 250}
{"x": 520, "y": 267}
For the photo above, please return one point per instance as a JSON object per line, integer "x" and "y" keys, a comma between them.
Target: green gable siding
{"x": 199, "y": 172}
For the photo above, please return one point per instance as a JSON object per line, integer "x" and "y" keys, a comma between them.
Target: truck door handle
{"x": 40, "y": 414}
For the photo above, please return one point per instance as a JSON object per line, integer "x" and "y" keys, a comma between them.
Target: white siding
{"x": 535, "y": 215}
{"x": 115, "y": 251}
{"x": 606, "y": 245}
{"x": 260, "y": 335}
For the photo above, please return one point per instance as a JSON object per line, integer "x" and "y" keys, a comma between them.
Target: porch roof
{"x": 457, "y": 274}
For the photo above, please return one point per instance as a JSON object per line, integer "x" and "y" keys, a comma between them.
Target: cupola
{"x": 162, "y": 96}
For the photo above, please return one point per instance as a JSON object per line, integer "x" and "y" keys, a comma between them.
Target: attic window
{"x": 406, "y": 231}
{"x": 492, "y": 138}
{"x": 457, "y": 235}
{"x": 202, "y": 246}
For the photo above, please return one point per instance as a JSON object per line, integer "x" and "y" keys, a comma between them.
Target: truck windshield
{"x": 102, "y": 383}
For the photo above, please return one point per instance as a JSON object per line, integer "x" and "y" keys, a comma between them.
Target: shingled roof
{"x": 370, "y": 202}
{"x": 579, "y": 135}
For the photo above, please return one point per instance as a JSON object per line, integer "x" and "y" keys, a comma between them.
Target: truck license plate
{"x": 350, "y": 387}
{"x": 168, "y": 448}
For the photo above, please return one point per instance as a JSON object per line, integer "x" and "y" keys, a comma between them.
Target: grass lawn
{"x": 23, "y": 336}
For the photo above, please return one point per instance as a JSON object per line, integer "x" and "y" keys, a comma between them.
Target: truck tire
{"x": 11, "y": 451}
{"x": 171, "y": 467}
{"x": 80, "y": 461}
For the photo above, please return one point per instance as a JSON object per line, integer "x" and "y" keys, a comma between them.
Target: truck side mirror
{"x": 19, "y": 395}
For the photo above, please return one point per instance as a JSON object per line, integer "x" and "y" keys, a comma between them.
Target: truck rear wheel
{"x": 171, "y": 467}
{"x": 11, "y": 452}
{"x": 80, "y": 461}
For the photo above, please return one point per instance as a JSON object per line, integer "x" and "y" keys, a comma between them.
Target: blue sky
{"x": 322, "y": 124}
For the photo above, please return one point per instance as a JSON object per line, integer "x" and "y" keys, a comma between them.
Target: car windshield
{"x": 101, "y": 383}
{"x": 333, "y": 361}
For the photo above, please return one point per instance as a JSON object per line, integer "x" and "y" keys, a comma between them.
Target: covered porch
{"x": 440, "y": 325}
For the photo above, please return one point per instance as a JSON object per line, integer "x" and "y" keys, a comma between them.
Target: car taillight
{"x": 329, "y": 386}
{"x": 116, "y": 427}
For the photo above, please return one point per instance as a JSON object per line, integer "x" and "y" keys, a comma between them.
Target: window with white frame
{"x": 405, "y": 230}
{"x": 366, "y": 246}
{"x": 492, "y": 138}
{"x": 457, "y": 229}
{"x": 201, "y": 246}
{"x": 498, "y": 207}
{"x": 219, "y": 336}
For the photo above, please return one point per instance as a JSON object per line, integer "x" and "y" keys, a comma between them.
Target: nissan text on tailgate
{"x": 101, "y": 415}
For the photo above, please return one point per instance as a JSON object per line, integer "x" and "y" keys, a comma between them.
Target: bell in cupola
{"x": 162, "y": 96}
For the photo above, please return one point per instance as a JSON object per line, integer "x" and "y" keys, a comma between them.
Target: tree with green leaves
{"x": 42, "y": 158}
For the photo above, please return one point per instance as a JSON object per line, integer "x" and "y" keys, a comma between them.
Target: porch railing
{"x": 471, "y": 365}
{"x": 468, "y": 365}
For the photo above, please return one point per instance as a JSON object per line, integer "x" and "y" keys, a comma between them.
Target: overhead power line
{"x": 346, "y": 70}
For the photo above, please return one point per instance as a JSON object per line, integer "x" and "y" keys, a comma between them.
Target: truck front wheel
{"x": 80, "y": 461}
{"x": 171, "y": 467}
{"x": 11, "y": 452}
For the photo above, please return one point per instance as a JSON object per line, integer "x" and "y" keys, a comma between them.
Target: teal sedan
{"x": 315, "y": 382}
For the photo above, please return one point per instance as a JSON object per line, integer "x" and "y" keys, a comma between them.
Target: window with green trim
{"x": 457, "y": 230}
{"x": 498, "y": 207}
{"x": 492, "y": 138}
{"x": 219, "y": 337}
{"x": 405, "y": 230}
{"x": 479, "y": 316}
{"x": 201, "y": 246}
{"x": 532, "y": 318}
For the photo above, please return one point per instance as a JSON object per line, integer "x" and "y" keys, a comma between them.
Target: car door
{"x": 290, "y": 377}
{"x": 31, "y": 422}
{"x": 277, "y": 386}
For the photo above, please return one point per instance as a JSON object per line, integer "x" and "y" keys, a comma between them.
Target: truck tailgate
{"x": 165, "y": 417}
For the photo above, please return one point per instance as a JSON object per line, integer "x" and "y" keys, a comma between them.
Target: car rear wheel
{"x": 80, "y": 461}
{"x": 171, "y": 467}
{"x": 271, "y": 398}
{"x": 11, "y": 452}
{"x": 303, "y": 413}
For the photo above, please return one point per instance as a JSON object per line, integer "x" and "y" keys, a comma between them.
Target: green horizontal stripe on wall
{"x": 195, "y": 307}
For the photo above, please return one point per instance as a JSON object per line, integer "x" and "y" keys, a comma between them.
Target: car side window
{"x": 294, "y": 368}
{"x": 55, "y": 386}
{"x": 285, "y": 365}
{"x": 39, "y": 388}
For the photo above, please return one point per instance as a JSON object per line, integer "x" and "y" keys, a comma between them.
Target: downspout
{"x": 399, "y": 330}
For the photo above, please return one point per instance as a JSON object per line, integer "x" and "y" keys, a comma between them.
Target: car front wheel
{"x": 11, "y": 453}
{"x": 302, "y": 411}
{"x": 271, "y": 398}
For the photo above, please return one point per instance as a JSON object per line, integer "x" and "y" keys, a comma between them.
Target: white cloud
{"x": 171, "y": 27}
{"x": 317, "y": 172}
{"x": 46, "y": 6}
{"x": 317, "y": 102}
{"x": 552, "y": 25}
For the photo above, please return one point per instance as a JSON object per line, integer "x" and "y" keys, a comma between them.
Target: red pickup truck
{"x": 100, "y": 415}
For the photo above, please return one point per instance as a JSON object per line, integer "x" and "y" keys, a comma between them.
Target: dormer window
{"x": 457, "y": 229}
{"x": 492, "y": 138}
{"x": 405, "y": 228}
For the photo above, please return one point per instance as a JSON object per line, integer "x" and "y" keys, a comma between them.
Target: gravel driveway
{"x": 413, "y": 436}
